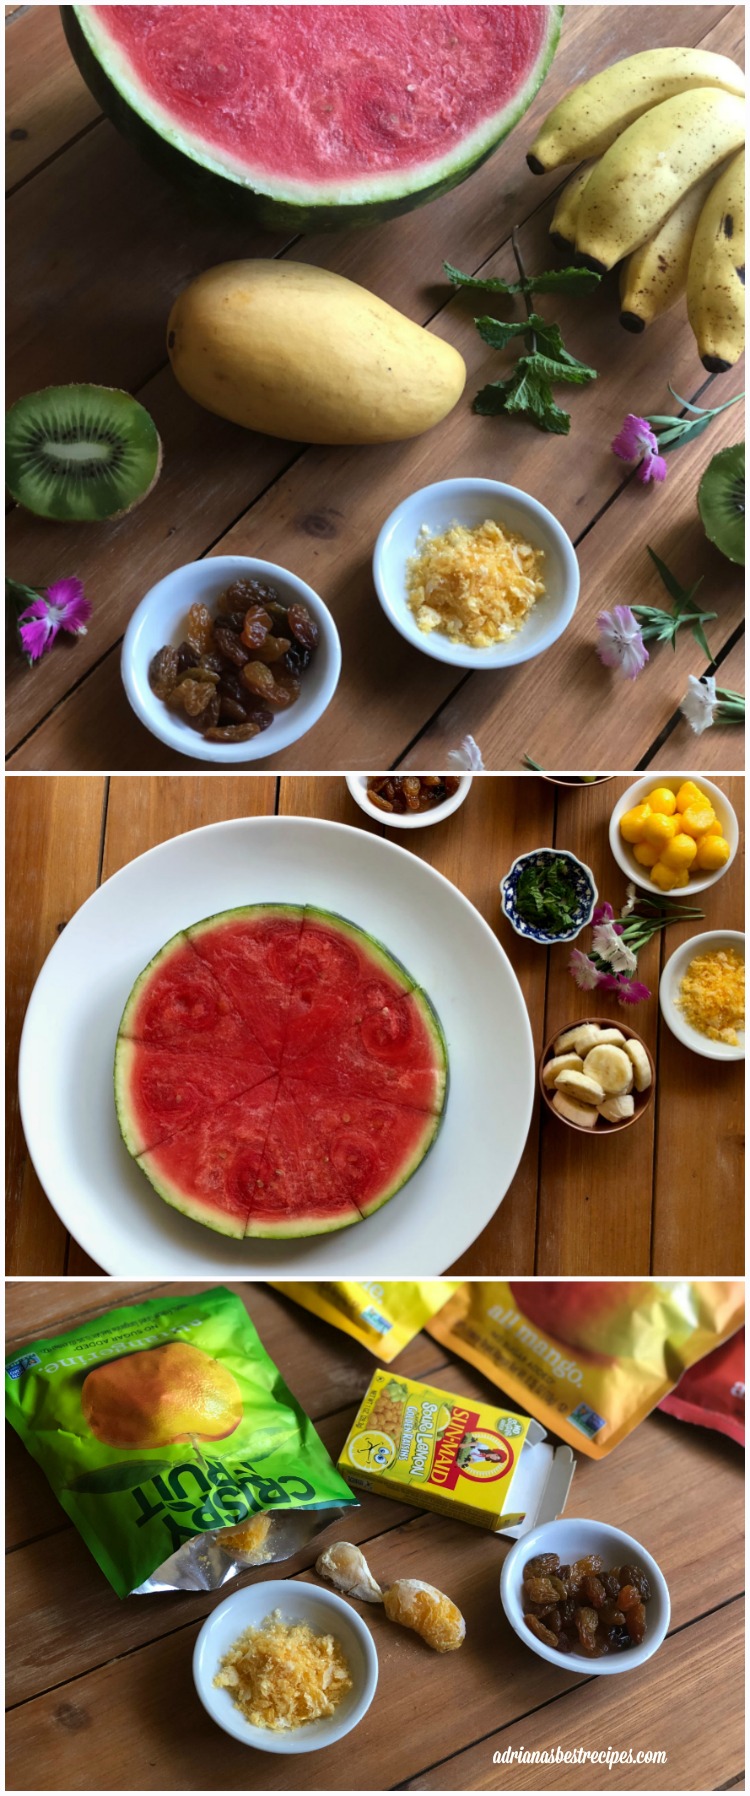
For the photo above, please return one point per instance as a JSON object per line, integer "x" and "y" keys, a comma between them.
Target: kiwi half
{"x": 80, "y": 453}
{"x": 721, "y": 502}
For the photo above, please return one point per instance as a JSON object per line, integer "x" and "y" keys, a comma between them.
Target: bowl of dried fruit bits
{"x": 230, "y": 659}
{"x": 409, "y": 801}
{"x": 584, "y": 1595}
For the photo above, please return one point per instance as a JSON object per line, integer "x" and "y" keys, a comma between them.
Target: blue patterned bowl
{"x": 585, "y": 888}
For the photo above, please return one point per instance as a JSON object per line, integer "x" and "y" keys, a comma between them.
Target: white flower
{"x": 700, "y": 703}
{"x": 630, "y": 901}
{"x": 467, "y": 757}
{"x": 610, "y": 947}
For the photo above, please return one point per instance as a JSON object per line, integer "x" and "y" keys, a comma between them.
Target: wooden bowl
{"x": 642, "y": 1099}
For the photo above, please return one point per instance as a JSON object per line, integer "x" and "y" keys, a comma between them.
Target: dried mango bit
{"x": 431, "y": 1615}
{"x": 346, "y": 1569}
{"x": 282, "y": 1675}
{"x": 249, "y": 1540}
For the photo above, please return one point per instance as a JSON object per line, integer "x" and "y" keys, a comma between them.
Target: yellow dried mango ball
{"x": 646, "y": 854}
{"x": 663, "y": 799}
{"x": 664, "y": 877}
{"x": 698, "y": 818}
{"x": 689, "y": 794}
{"x": 658, "y": 829}
{"x": 680, "y": 852}
{"x": 682, "y": 879}
{"x": 714, "y": 829}
{"x": 631, "y": 824}
{"x": 712, "y": 853}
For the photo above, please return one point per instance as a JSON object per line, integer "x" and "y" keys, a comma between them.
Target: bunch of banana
{"x": 662, "y": 190}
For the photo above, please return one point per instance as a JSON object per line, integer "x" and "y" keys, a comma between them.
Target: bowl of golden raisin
{"x": 674, "y": 836}
{"x": 583, "y": 1594}
{"x": 230, "y": 659}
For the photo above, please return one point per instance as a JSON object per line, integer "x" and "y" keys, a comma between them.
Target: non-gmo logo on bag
{"x": 17, "y": 1366}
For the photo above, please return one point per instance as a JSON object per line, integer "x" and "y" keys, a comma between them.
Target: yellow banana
{"x": 565, "y": 216}
{"x": 716, "y": 275}
{"x": 591, "y": 116}
{"x": 655, "y": 276}
{"x": 650, "y": 168}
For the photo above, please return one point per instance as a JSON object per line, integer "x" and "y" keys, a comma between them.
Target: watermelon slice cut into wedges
{"x": 299, "y": 117}
{"x": 309, "y": 1086}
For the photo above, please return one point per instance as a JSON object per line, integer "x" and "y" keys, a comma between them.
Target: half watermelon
{"x": 308, "y": 116}
{"x": 278, "y": 1072}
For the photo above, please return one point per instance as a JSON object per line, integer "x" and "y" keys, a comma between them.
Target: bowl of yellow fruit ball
{"x": 673, "y": 835}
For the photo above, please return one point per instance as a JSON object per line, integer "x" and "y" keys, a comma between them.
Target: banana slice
{"x": 641, "y": 1065}
{"x": 583, "y": 1114}
{"x": 587, "y": 1036}
{"x": 567, "y": 1040}
{"x": 610, "y": 1068}
{"x": 561, "y": 1063}
{"x": 616, "y": 1109}
{"x": 608, "y": 1038}
{"x": 578, "y": 1085}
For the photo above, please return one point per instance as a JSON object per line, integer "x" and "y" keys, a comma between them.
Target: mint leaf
{"x": 481, "y": 286}
{"x": 576, "y": 373}
{"x": 499, "y": 334}
{"x": 564, "y": 280}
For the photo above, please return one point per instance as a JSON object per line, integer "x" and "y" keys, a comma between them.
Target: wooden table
{"x": 98, "y": 247}
{"x": 666, "y": 1196}
{"x": 100, "y": 1691}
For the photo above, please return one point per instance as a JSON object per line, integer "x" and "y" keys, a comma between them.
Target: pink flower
{"x": 621, "y": 644}
{"x": 63, "y": 606}
{"x": 603, "y": 913}
{"x": 630, "y": 991}
{"x": 638, "y": 442}
{"x": 586, "y": 975}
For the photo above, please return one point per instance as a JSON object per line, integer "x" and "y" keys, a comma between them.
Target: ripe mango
{"x": 300, "y": 353}
{"x": 160, "y": 1397}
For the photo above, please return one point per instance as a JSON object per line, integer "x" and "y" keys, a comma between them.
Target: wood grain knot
{"x": 320, "y": 523}
{"x": 68, "y": 1715}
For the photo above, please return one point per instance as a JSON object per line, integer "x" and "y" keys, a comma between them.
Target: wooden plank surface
{"x": 101, "y": 1695}
{"x": 318, "y": 510}
{"x": 576, "y": 1205}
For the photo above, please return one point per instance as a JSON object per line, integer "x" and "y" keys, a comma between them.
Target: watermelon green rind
{"x": 300, "y": 208}
{"x": 175, "y": 941}
{"x": 381, "y": 956}
{"x": 256, "y": 911}
{"x": 433, "y": 1125}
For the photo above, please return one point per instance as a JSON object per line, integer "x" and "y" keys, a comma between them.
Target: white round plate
{"x": 68, "y": 1044}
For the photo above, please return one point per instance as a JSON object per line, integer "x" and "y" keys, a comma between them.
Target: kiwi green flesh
{"x": 721, "y": 502}
{"x": 80, "y": 453}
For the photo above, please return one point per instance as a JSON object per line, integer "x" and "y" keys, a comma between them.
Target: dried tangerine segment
{"x": 346, "y": 1568}
{"x": 249, "y": 1541}
{"x": 427, "y": 1612}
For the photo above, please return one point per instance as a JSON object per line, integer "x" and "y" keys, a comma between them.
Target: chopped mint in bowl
{"x": 549, "y": 895}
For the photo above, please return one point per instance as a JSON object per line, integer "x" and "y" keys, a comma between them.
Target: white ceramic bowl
{"x": 325, "y": 1613}
{"x": 160, "y": 619}
{"x": 669, "y": 988}
{"x": 573, "y": 1539}
{"x": 468, "y": 501}
{"x": 623, "y": 851}
{"x": 357, "y": 783}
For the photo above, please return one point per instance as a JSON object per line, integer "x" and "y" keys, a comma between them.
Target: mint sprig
{"x": 527, "y": 391}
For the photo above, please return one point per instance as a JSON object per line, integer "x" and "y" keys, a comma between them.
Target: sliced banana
{"x": 583, "y": 1114}
{"x": 608, "y": 1038}
{"x": 561, "y": 1063}
{"x": 578, "y": 1085}
{"x": 616, "y": 1109}
{"x": 586, "y": 1037}
{"x": 567, "y": 1040}
{"x": 641, "y": 1064}
{"x": 610, "y": 1068}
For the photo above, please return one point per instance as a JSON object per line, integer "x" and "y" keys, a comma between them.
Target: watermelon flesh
{"x": 309, "y": 1083}
{"x": 317, "y": 114}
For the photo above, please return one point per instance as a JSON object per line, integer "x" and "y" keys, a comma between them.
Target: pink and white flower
{"x": 621, "y": 643}
{"x": 586, "y": 975}
{"x": 63, "y": 606}
{"x": 637, "y": 442}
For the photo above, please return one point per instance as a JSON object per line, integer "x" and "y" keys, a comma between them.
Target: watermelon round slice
{"x": 310, "y": 116}
{"x": 278, "y": 1072}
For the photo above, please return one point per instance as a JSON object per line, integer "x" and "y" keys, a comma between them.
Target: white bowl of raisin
{"x": 408, "y": 801}
{"x": 584, "y": 1595}
{"x": 230, "y": 659}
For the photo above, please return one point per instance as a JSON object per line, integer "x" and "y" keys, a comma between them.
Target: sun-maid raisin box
{"x": 455, "y": 1455}
{"x": 173, "y": 1443}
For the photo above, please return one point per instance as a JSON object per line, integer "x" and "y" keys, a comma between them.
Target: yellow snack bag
{"x": 384, "y": 1317}
{"x": 589, "y": 1358}
{"x": 460, "y": 1457}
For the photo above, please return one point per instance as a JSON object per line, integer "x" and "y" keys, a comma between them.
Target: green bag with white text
{"x": 173, "y": 1443}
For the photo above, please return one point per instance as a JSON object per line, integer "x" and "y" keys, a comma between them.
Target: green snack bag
{"x": 173, "y": 1444}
